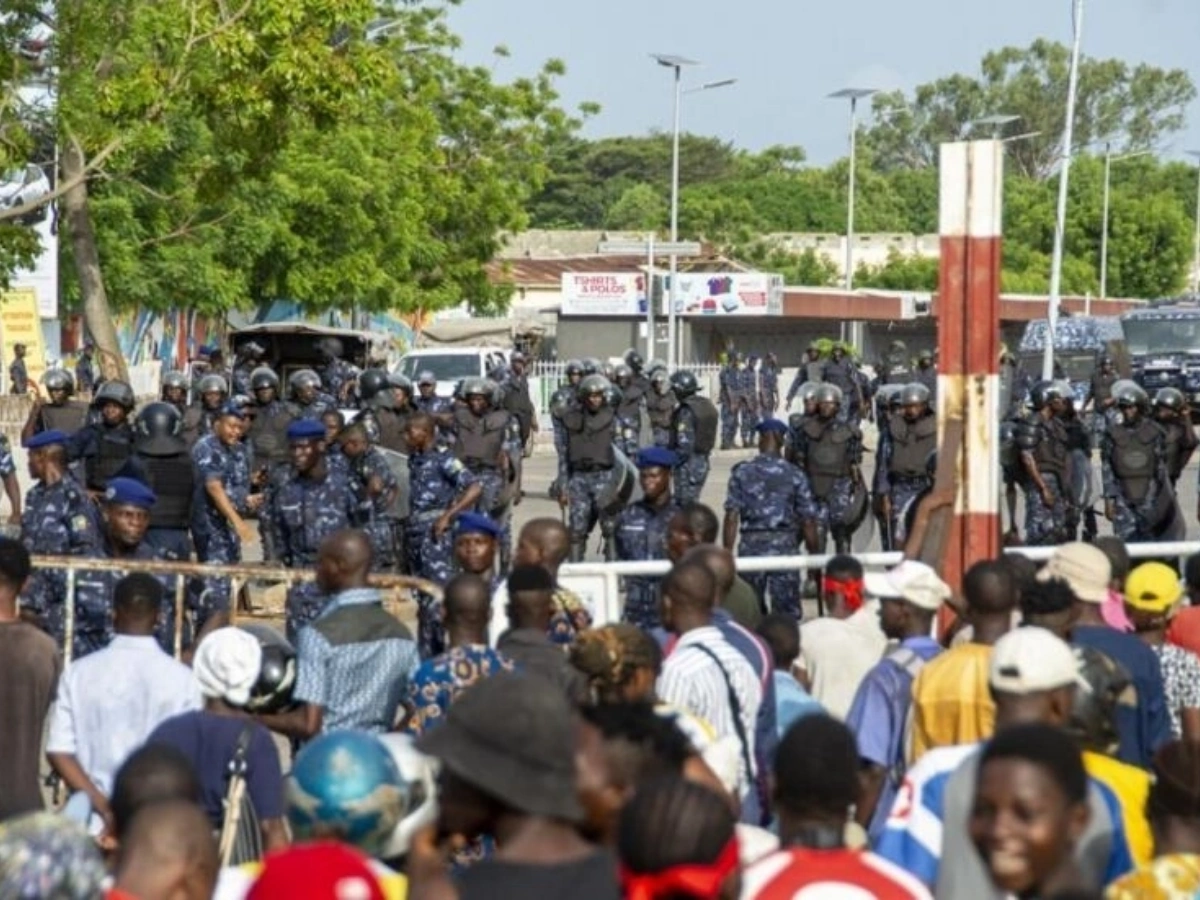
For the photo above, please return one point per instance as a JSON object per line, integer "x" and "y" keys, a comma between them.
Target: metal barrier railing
{"x": 1158, "y": 550}
{"x": 238, "y": 576}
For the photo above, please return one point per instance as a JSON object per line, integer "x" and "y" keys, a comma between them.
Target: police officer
{"x": 224, "y": 500}
{"x": 376, "y": 487}
{"x": 213, "y": 392}
{"x": 308, "y": 400}
{"x": 105, "y": 445}
{"x": 1138, "y": 498}
{"x": 517, "y": 400}
{"x": 1100, "y": 386}
{"x": 61, "y": 413}
{"x": 337, "y": 375}
{"x": 162, "y": 461}
{"x": 1045, "y": 459}
{"x": 440, "y": 487}
{"x": 768, "y": 386}
{"x": 587, "y": 466}
{"x": 59, "y": 520}
{"x": 693, "y": 436}
{"x": 748, "y": 387}
{"x": 476, "y": 540}
{"x": 926, "y": 373}
{"x": 627, "y": 428}
{"x": 267, "y": 437}
{"x": 641, "y": 377}
{"x": 633, "y": 398}
{"x": 641, "y": 534}
{"x": 895, "y": 366}
{"x": 310, "y": 505}
{"x": 482, "y": 445}
{"x": 379, "y": 403}
{"x": 427, "y": 400}
{"x": 729, "y": 393}
{"x": 249, "y": 357}
{"x": 829, "y": 451}
{"x": 806, "y": 397}
{"x": 840, "y": 370}
{"x": 18, "y": 375}
{"x": 771, "y": 504}
{"x": 1174, "y": 415}
{"x": 660, "y": 407}
{"x": 809, "y": 369}
{"x": 1079, "y": 446}
{"x": 907, "y": 440}
{"x": 85, "y": 373}
{"x": 174, "y": 390}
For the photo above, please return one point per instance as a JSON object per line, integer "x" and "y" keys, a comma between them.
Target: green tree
{"x": 899, "y": 273}
{"x": 1133, "y": 106}
{"x": 639, "y": 208}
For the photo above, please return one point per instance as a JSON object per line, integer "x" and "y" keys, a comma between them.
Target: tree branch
{"x": 185, "y": 229}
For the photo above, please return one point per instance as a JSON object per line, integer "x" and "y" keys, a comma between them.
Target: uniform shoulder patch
{"x": 80, "y": 523}
{"x": 454, "y": 465}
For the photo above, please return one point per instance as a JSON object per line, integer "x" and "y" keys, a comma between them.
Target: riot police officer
{"x": 308, "y": 400}
{"x": 1100, "y": 386}
{"x": 310, "y": 505}
{"x": 516, "y": 397}
{"x": 1138, "y": 499}
{"x": 660, "y": 406}
{"x": 768, "y": 386}
{"x": 61, "y": 413}
{"x": 895, "y": 366}
{"x": 641, "y": 533}
{"x": 481, "y": 444}
{"x": 808, "y": 370}
{"x": 1079, "y": 446}
{"x": 627, "y": 429}
{"x": 693, "y": 436}
{"x": 378, "y": 400}
{"x": 829, "y": 451}
{"x": 841, "y": 371}
{"x": 85, "y": 372}
{"x": 440, "y": 487}
{"x": 174, "y": 390}
{"x": 161, "y": 459}
{"x": 641, "y": 377}
{"x": 906, "y": 442}
{"x": 337, "y": 375}
{"x": 1045, "y": 460}
{"x": 1174, "y": 415}
{"x": 731, "y": 399}
{"x": 587, "y": 467}
{"x": 376, "y": 487}
{"x": 249, "y": 357}
{"x": 926, "y": 373}
{"x": 771, "y": 503}
{"x": 104, "y": 446}
{"x": 198, "y": 419}
{"x": 633, "y": 398}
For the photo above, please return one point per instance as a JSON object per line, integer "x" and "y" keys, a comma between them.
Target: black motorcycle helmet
{"x": 371, "y": 382}
{"x": 262, "y": 378}
{"x": 114, "y": 392}
{"x": 1128, "y": 394}
{"x": 158, "y": 420}
{"x": 914, "y": 393}
{"x": 277, "y": 675}
{"x": 592, "y": 384}
{"x": 59, "y": 380}
{"x": 633, "y": 359}
{"x": 684, "y": 384}
{"x": 1170, "y": 398}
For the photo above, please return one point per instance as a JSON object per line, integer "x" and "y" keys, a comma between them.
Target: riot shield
{"x": 398, "y": 463}
{"x": 1083, "y": 481}
{"x": 618, "y": 490}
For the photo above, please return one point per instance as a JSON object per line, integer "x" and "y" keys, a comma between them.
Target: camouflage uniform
{"x": 768, "y": 390}
{"x": 335, "y": 375}
{"x": 903, "y": 484}
{"x": 436, "y": 479}
{"x": 747, "y": 400}
{"x": 729, "y": 382}
{"x": 216, "y": 540}
{"x": 375, "y": 512}
{"x": 320, "y": 405}
{"x": 692, "y": 469}
{"x": 641, "y": 534}
{"x": 1047, "y": 525}
{"x": 93, "y": 603}
{"x": 833, "y": 497}
{"x": 773, "y": 499}
{"x": 305, "y": 511}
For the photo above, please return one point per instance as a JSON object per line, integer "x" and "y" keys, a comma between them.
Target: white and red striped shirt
{"x": 799, "y": 873}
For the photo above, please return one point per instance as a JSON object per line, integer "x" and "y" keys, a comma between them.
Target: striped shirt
{"x": 692, "y": 681}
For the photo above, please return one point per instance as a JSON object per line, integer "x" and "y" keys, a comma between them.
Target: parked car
{"x": 22, "y": 185}
{"x": 451, "y": 365}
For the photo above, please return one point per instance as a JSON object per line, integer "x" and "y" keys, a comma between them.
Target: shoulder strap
{"x": 735, "y": 706}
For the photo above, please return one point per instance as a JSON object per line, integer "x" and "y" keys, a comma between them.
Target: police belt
{"x": 426, "y": 515}
{"x": 478, "y": 465}
{"x": 776, "y": 529}
{"x": 583, "y": 468}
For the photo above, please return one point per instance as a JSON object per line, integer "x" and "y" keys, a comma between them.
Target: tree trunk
{"x": 96, "y": 313}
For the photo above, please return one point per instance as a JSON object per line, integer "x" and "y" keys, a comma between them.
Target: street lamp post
{"x": 1109, "y": 159}
{"x": 853, "y": 95}
{"x": 1196, "y": 254}
{"x": 677, "y": 63}
{"x": 1064, "y": 174}
{"x": 997, "y": 121}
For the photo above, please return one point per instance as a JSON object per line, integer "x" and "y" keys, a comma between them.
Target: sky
{"x": 788, "y": 55}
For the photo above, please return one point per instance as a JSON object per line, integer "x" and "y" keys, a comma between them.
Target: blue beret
{"x": 656, "y": 456}
{"x": 46, "y": 438}
{"x": 305, "y": 430}
{"x": 233, "y": 409}
{"x": 475, "y": 523}
{"x": 129, "y": 492}
{"x": 773, "y": 426}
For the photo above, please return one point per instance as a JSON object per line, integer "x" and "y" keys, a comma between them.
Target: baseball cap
{"x": 1086, "y": 569}
{"x": 1153, "y": 587}
{"x": 321, "y": 871}
{"x": 911, "y": 581}
{"x": 1030, "y": 659}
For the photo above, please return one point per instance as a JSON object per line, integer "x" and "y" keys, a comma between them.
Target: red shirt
{"x": 1184, "y": 630}
{"x": 782, "y": 875}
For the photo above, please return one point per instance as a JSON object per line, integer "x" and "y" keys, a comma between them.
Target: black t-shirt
{"x": 591, "y": 878}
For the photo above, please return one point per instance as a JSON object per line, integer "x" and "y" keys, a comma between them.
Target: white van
{"x": 451, "y": 365}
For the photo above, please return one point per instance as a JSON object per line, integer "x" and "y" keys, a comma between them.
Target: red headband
{"x": 852, "y": 590}
{"x": 699, "y": 880}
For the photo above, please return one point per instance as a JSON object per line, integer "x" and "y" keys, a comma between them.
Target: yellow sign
{"x": 20, "y": 324}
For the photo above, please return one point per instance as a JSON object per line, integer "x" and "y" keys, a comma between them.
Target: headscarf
{"x": 227, "y": 665}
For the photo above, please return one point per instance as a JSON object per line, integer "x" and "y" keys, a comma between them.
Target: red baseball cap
{"x": 321, "y": 871}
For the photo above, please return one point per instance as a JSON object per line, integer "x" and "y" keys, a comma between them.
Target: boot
{"x": 578, "y": 550}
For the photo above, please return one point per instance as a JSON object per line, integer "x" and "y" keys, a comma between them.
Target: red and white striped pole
{"x": 968, "y": 310}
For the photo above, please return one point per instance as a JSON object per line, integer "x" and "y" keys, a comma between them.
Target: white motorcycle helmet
{"x": 420, "y": 772}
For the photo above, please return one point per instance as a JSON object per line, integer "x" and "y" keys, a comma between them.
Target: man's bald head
{"x": 344, "y": 560}
{"x": 169, "y": 851}
{"x": 468, "y": 602}
{"x": 990, "y": 588}
{"x": 718, "y": 561}
{"x": 690, "y": 589}
{"x": 550, "y": 540}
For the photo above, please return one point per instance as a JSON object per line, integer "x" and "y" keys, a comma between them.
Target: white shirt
{"x": 110, "y": 701}
{"x": 838, "y": 653}
{"x": 691, "y": 681}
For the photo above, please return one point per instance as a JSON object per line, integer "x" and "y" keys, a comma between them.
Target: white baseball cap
{"x": 1028, "y": 660}
{"x": 911, "y": 581}
{"x": 1084, "y": 567}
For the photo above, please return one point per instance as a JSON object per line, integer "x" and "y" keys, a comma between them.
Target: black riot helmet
{"x": 263, "y": 378}
{"x": 174, "y": 380}
{"x": 212, "y": 384}
{"x": 914, "y": 393}
{"x": 272, "y": 691}
{"x": 828, "y": 393}
{"x": 478, "y": 387}
{"x": 633, "y": 359}
{"x": 660, "y": 382}
{"x": 807, "y": 392}
{"x": 622, "y": 373}
{"x": 684, "y": 384}
{"x": 399, "y": 382}
{"x": 655, "y": 365}
{"x": 574, "y": 368}
{"x": 157, "y": 420}
{"x": 371, "y": 382}
{"x": 59, "y": 380}
{"x": 330, "y": 348}
{"x": 117, "y": 392}
{"x": 304, "y": 378}
{"x": 591, "y": 365}
{"x": 1170, "y": 398}
{"x": 1128, "y": 394}
{"x": 1043, "y": 392}
{"x": 593, "y": 384}
{"x": 613, "y": 395}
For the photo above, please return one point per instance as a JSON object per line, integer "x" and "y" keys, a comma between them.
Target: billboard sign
{"x": 727, "y": 294}
{"x": 603, "y": 294}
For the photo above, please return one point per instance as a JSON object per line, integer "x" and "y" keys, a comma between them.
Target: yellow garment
{"x": 1132, "y": 787}
{"x": 1175, "y": 877}
{"x": 952, "y": 703}
{"x": 394, "y": 886}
